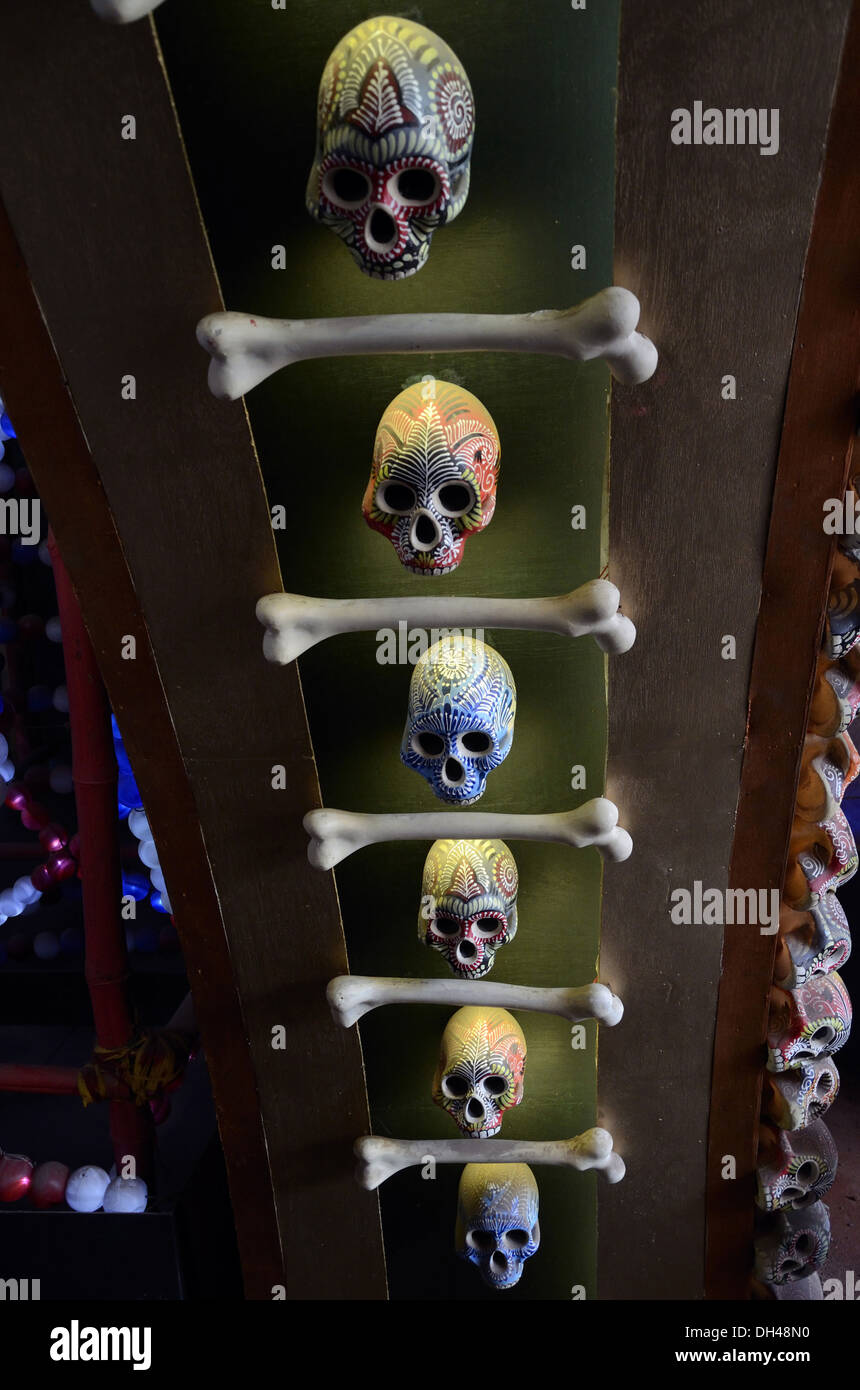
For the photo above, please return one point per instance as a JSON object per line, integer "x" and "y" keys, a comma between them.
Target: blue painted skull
{"x": 460, "y": 721}
{"x": 497, "y": 1220}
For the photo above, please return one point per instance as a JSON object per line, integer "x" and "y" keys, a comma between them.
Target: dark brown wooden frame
{"x": 814, "y": 458}
{"x": 713, "y": 241}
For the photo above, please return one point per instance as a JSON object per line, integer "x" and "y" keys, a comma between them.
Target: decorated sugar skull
{"x": 468, "y": 903}
{"x": 835, "y": 699}
{"x": 480, "y": 1072}
{"x": 792, "y": 1245}
{"x": 460, "y": 719}
{"x": 811, "y": 943}
{"x": 811, "y": 1021}
{"x": 795, "y": 1167}
{"x": 395, "y": 126}
{"x": 793, "y": 1099}
{"x": 497, "y": 1220}
{"x": 821, "y": 860}
{"x": 828, "y": 768}
{"x": 433, "y": 481}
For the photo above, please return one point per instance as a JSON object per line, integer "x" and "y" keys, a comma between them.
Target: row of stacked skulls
{"x": 810, "y": 1008}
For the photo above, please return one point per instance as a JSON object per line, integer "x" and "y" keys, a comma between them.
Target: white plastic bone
{"x": 379, "y": 1158}
{"x": 245, "y": 350}
{"x": 350, "y": 997}
{"x": 295, "y": 623}
{"x": 124, "y": 11}
{"x": 336, "y": 834}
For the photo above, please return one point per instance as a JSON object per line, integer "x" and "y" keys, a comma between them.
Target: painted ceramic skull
{"x": 795, "y": 1098}
{"x": 792, "y": 1244}
{"x": 433, "y": 481}
{"x": 395, "y": 126}
{"x": 795, "y": 1167}
{"x": 460, "y": 718}
{"x": 469, "y": 892}
{"x": 811, "y": 943}
{"x": 497, "y": 1220}
{"x": 835, "y": 699}
{"x": 828, "y": 768}
{"x": 821, "y": 860}
{"x": 812, "y": 1021}
{"x": 480, "y": 1073}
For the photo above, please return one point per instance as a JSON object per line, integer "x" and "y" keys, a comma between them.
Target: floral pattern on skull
{"x": 811, "y": 943}
{"x": 481, "y": 1067}
{"x": 809, "y": 1022}
{"x": 460, "y": 718}
{"x": 434, "y": 475}
{"x": 497, "y": 1220}
{"x": 793, "y": 1099}
{"x": 395, "y": 127}
{"x": 795, "y": 1167}
{"x": 469, "y": 896}
{"x": 792, "y": 1244}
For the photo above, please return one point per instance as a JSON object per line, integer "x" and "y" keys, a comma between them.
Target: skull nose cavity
{"x": 467, "y": 950}
{"x": 453, "y": 773}
{"x": 425, "y": 532}
{"x": 499, "y": 1262}
{"x": 474, "y": 1110}
{"x": 380, "y": 230}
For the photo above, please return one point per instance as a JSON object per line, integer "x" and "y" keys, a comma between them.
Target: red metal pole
{"x": 94, "y": 773}
{"x": 46, "y": 1081}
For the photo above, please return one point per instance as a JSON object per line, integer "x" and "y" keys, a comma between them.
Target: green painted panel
{"x": 543, "y": 75}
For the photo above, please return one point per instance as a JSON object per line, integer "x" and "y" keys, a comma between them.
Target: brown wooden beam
{"x": 814, "y": 456}
{"x": 712, "y": 239}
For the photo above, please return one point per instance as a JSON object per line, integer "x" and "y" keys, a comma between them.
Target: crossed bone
{"x": 350, "y": 997}
{"x": 124, "y": 11}
{"x": 334, "y": 834}
{"x": 245, "y": 350}
{"x": 294, "y": 623}
{"x": 379, "y": 1158}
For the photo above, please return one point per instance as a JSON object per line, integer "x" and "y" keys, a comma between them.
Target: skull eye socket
{"x": 807, "y": 1173}
{"x": 824, "y": 1084}
{"x": 489, "y": 926}
{"x": 416, "y": 186}
{"x": 516, "y": 1239}
{"x": 804, "y": 1245}
{"x": 346, "y": 186}
{"x": 395, "y": 497}
{"x": 431, "y": 745}
{"x": 455, "y": 1086}
{"x": 481, "y": 1240}
{"x": 495, "y": 1085}
{"x": 455, "y": 499}
{"x": 476, "y": 743}
{"x": 446, "y": 926}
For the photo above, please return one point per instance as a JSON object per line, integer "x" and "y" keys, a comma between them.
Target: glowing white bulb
{"x": 126, "y": 1195}
{"x": 86, "y": 1188}
{"x": 139, "y": 825}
